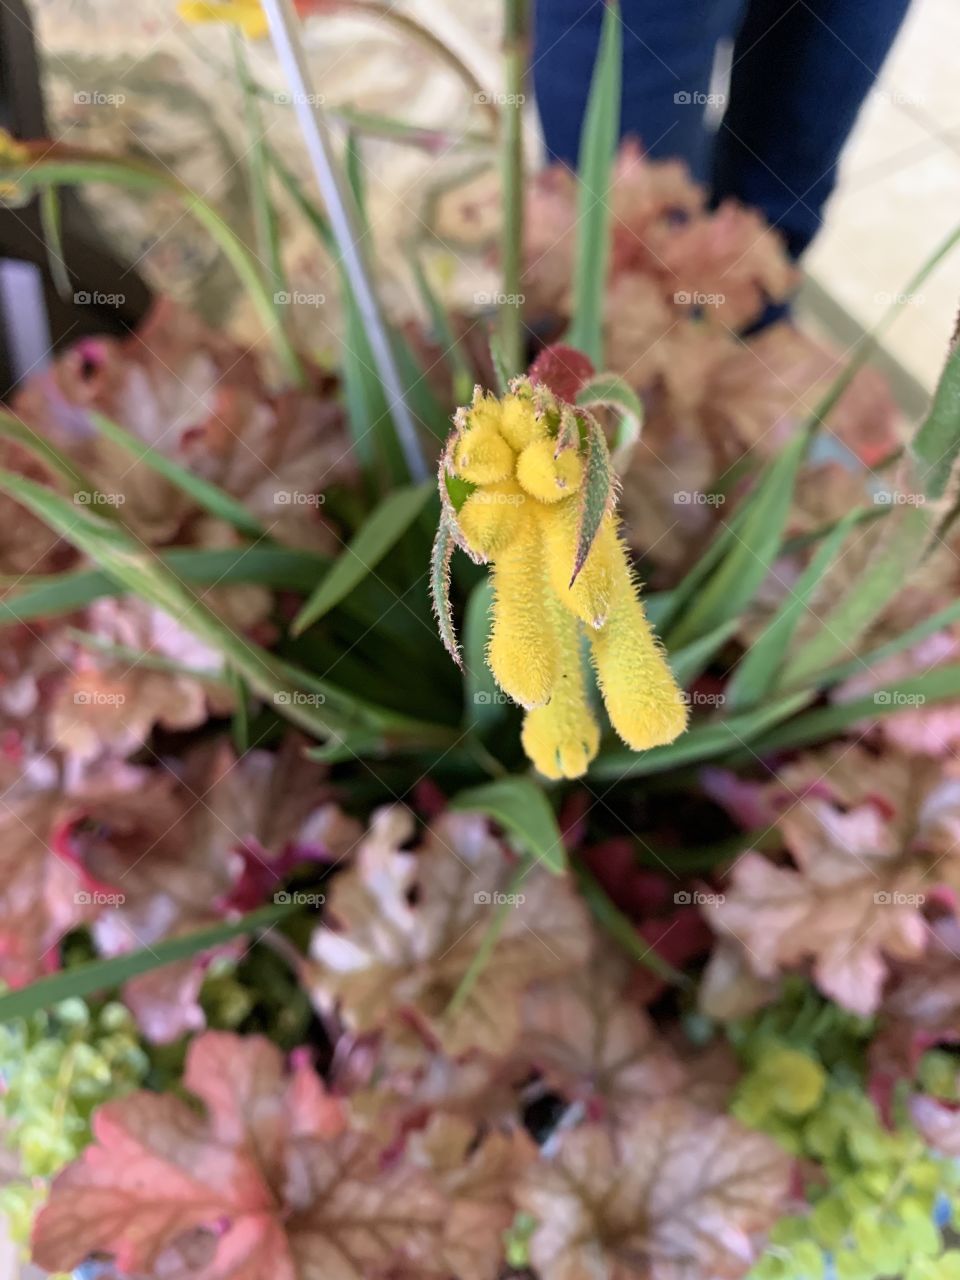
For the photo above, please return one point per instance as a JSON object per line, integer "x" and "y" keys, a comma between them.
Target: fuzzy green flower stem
{"x": 265, "y": 220}
{"x": 345, "y": 223}
{"x": 511, "y": 159}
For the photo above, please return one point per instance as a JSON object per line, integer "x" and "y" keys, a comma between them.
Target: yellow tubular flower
{"x": 522, "y": 653}
{"x": 492, "y": 517}
{"x": 482, "y": 456}
{"x": 248, "y": 15}
{"x": 642, "y": 698}
{"x": 563, "y": 738}
{"x": 519, "y": 424}
{"x": 546, "y": 475}
{"x": 589, "y": 597}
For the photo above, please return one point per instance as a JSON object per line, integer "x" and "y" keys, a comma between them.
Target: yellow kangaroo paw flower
{"x": 548, "y": 476}
{"x": 492, "y": 517}
{"x": 642, "y": 698}
{"x": 522, "y": 653}
{"x": 590, "y": 596}
{"x": 519, "y": 424}
{"x": 562, "y": 738}
{"x": 482, "y": 456}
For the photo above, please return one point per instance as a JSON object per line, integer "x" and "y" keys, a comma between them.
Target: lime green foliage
{"x": 55, "y": 1069}
{"x": 873, "y": 1191}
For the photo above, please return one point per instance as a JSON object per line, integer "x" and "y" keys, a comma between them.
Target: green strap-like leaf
{"x": 381, "y": 531}
{"x": 206, "y": 495}
{"x": 521, "y": 808}
{"x": 936, "y": 445}
{"x": 596, "y": 492}
{"x": 103, "y": 975}
{"x": 598, "y": 148}
{"x": 752, "y": 549}
{"x": 758, "y": 668}
{"x": 687, "y": 663}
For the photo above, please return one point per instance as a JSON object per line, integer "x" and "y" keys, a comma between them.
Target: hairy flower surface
{"x": 527, "y": 487}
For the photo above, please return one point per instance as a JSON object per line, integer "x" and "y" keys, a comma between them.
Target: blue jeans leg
{"x": 668, "y": 51}
{"x": 800, "y": 74}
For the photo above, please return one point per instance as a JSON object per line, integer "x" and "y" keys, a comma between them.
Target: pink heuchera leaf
{"x": 676, "y": 1194}
{"x": 265, "y": 1184}
{"x": 563, "y": 370}
{"x": 852, "y": 901}
{"x": 407, "y": 927}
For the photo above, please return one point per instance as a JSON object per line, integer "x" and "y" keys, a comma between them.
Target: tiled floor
{"x": 899, "y": 194}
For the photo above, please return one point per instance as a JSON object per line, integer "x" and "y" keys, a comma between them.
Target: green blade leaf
{"x": 598, "y": 148}
{"x": 521, "y": 808}
{"x": 53, "y": 458}
{"x": 904, "y": 537}
{"x": 752, "y": 550}
{"x": 826, "y": 722}
{"x": 484, "y": 704}
{"x": 206, "y": 495}
{"x": 758, "y": 669}
{"x": 936, "y": 444}
{"x": 51, "y": 222}
{"x": 381, "y": 531}
{"x": 282, "y": 568}
{"x": 102, "y": 975}
{"x": 596, "y": 493}
{"x": 687, "y": 663}
{"x": 906, "y": 640}
{"x": 452, "y": 352}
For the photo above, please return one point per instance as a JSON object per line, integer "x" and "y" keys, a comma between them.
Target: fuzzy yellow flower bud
{"x": 589, "y": 597}
{"x": 546, "y": 475}
{"x": 519, "y": 424}
{"x": 492, "y": 517}
{"x": 482, "y": 456}
{"x": 642, "y": 698}
{"x": 563, "y": 738}
{"x": 522, "y": 653}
